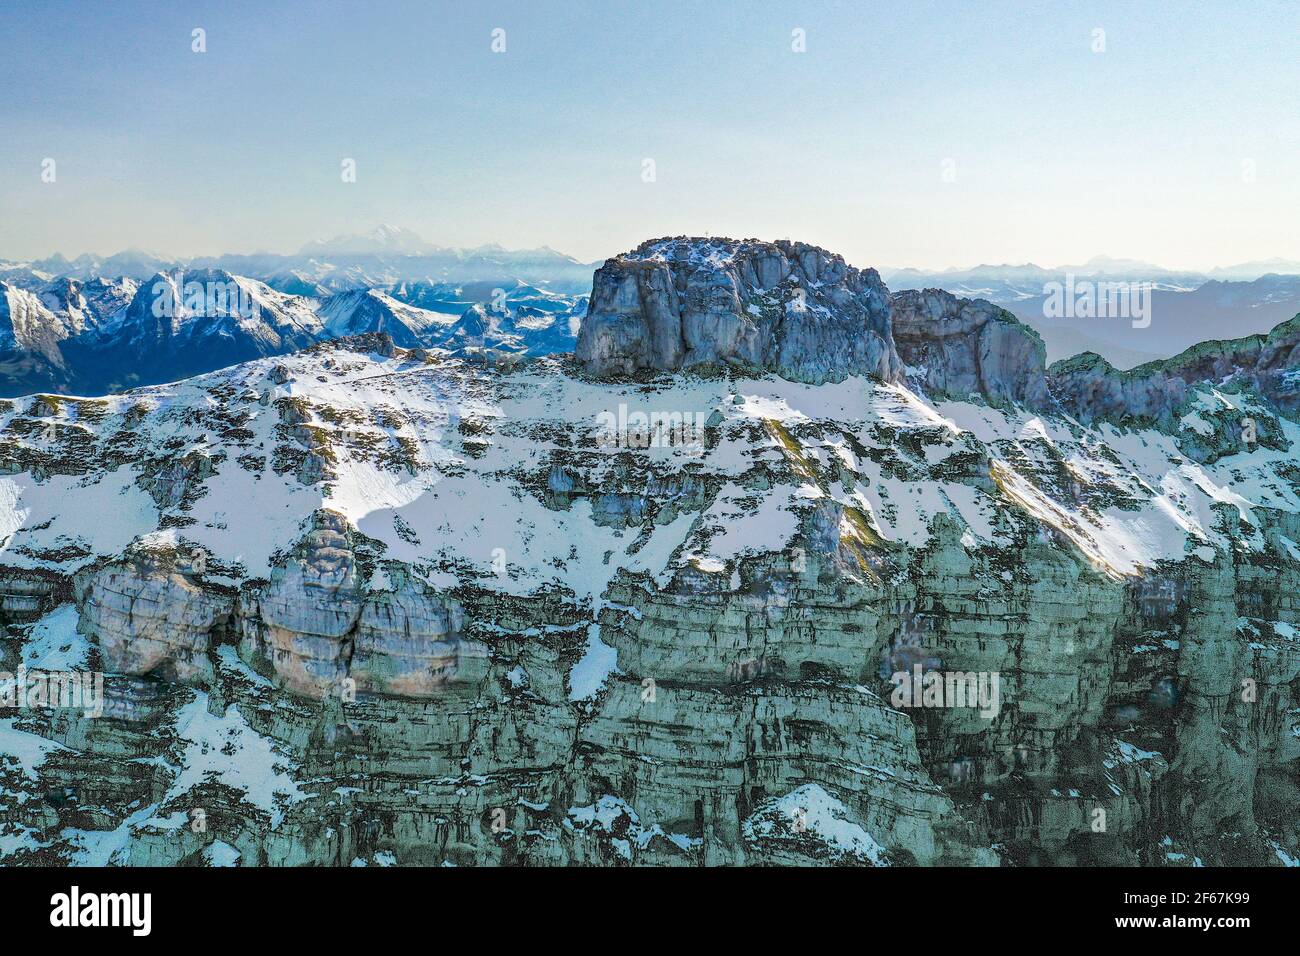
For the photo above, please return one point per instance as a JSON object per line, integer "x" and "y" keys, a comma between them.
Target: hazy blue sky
{"x": 1060, "y": 153}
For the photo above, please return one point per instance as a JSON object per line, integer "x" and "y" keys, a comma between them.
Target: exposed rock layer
{"x": 478, "y": 632}
{"x": 961, "y": 347}
{"x": 785, "y": 307}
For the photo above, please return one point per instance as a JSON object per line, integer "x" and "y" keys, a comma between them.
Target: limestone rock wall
{"x": 960, "y": 347}
{"x": 147, "y": 615}
{"x": 1116, "y": 699}
{"x": 786, "y": 307}
{"x": 1091, "y": 388}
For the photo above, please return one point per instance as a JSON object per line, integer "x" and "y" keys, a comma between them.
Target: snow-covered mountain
{"x": 40, "y": 328}
{"x": 136, "y": 264}
{"x": 187, "y": 322}
{"x": 90, "y": 304}
{"x": 383, "y": 239}
{"x": 31, "y": 338}
{"x": 384, "y": 257}
{"x": 1249, "y": 271}
{"x": 654, "y": 602}
{"x": 369, "y": 310}
{"x": 99, "y": 335}
{"x": 388, "y": 256}
{"x": 522, "y": 330}
{"x": 1012, "y": 284}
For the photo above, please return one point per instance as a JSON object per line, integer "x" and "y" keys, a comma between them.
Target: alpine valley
{"x": 371, "y": 578}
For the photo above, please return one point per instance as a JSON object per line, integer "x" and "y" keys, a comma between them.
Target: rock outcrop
{"x": 149, "y": 615}
{"x": 1094, "y": 390}
{"x": 785, "y": 307}
{"x": 302, "y": 622}
{"x": 804, "y": 314}
{"x": 959, "y": 347}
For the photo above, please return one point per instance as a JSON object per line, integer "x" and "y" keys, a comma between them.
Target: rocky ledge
{"x": 1154, "y": 392}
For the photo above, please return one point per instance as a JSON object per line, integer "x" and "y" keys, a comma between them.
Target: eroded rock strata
{"x": 363, "y": 605}
{"x": 787, "y": 307}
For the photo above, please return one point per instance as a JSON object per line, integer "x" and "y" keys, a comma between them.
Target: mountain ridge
{"x": 445, "y": 578}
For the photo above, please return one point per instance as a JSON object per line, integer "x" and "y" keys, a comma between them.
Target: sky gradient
{"x": 1145, "y": 150}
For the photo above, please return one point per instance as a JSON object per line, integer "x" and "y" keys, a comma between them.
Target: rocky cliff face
{"x": 1263, "y": 364}
{"x": 365, "y": 605}
{"x": 961, "y": 347}
{"x": 785, "y": 307}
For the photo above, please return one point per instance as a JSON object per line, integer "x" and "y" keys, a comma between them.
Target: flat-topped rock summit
{"x": 800, "y": 312}
{"x": 785, "y": 307}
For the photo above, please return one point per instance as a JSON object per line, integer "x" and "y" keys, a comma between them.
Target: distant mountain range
{"x": 97, "y": 324}
{"x": 93, "y": 336}
{"x": 1186, "y": 307}
{"x": 1180, "y": 318}
{"x": 1006, "y": 282}
{"x": 382, "y": 257}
